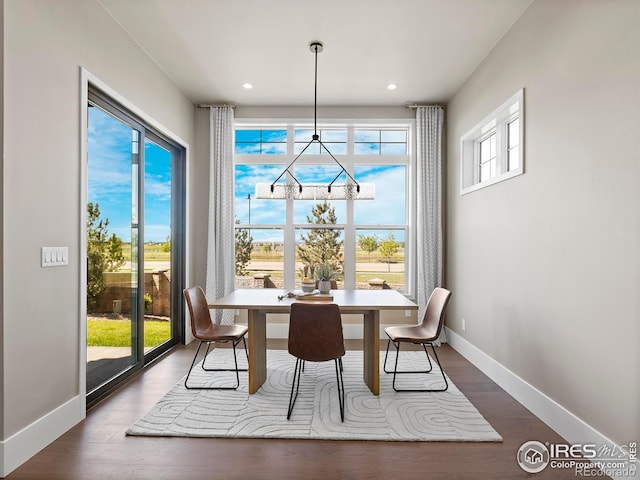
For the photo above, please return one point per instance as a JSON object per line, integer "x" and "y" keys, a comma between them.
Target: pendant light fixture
{"x": 293, "y": 189}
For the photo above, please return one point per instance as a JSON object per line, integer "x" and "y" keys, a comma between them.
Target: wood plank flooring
{"x": 98, "y": 449}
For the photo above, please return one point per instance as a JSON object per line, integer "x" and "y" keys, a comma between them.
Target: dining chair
{"x": 423, "y": 334}
{"x": 315, "y": 335}
{"x": 206, "y": 331}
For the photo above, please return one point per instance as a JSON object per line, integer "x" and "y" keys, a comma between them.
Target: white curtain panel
{"x": 429, "y": 125}
{"x": 221, "y": 240}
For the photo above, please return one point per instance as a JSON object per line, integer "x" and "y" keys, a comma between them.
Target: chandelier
{"x": 294, "y": 189}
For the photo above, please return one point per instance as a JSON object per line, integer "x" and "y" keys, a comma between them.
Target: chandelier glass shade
{"x": 306, "y": 191}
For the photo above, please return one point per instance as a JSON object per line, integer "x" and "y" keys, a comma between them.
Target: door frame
{"x": 87, "y": 80}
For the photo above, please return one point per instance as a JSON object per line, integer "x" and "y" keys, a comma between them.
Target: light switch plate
{"x": 54, "y": 256}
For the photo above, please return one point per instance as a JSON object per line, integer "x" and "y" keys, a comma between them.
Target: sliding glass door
{"x": 135, "y": 244}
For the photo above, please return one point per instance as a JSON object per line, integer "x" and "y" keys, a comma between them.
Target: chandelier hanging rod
{"x": 315, "y": 47}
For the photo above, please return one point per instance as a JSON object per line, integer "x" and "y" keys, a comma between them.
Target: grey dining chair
{"x": 423, "y": 334}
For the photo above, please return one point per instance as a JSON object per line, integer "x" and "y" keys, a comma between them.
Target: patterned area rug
{"x": 443, "y": 416}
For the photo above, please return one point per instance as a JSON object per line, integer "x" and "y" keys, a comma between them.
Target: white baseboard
{"x": 565, "y": 423}
{"x": 23, "y": 445}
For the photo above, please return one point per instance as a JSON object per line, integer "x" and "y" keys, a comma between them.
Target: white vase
{"x": 324, "y": 286}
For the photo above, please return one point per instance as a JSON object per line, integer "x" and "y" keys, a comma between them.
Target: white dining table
{"x": 261, "y": 301}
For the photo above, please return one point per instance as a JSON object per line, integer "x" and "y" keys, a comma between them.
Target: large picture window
{"x": 369, "y": 240}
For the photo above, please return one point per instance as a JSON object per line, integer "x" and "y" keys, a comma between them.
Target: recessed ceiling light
{"x": 392, "y": 86}
{"x": 247, "y": 86}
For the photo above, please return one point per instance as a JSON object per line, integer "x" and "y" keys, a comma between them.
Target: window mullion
{"x": 476, "y": 161}
{"x": 501, "y": 147}
{"x": 289, "y": 248}
{"x": 289, "y": 266}
{"x": 350, "y": 232}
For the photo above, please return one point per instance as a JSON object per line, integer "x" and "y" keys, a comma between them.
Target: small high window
{"x": 492, "y": 151}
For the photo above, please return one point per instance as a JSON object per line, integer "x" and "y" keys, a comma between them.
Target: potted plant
{"x": 324, "y": 274}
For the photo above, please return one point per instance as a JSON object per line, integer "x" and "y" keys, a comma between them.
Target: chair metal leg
{"x": 340, "y": 381}
{"x": 192, "y": 364}
{"x": 297, "y": 373}
{"x": 246, "y": 350}
{"x": 384, "y": 365}
{"x": 234, "y": 344}
{"x": 446, "y": 384}
{"x": 397, "y": 347}
{"x": 237, "y": 370}
{"x": 396, "y": 371}
{"x": 295, "y": 385}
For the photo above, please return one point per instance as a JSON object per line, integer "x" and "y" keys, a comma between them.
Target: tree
{"x": 166, "y": 246}
{"x": 104, "y": 254}
{"x": 368, "y": 243}
{"x": 114, "y": 256}
{"x": 266, "y": 248}
{"x": 388, "y": 248}
{"x": 321, "y": 245}
{"x": 244, "y": 247}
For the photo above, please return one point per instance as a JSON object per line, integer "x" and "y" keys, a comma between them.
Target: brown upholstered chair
{"x": 315, "y": 335}
{"x": 423, "y": 334}
{"x": 208, "y": 332}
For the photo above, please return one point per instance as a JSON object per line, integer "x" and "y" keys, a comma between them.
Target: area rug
{"x": 391, "y": 416}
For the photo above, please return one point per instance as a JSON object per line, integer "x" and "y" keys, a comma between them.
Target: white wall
{"x": 45, "y": 44}
{"x": 545, "y": 267}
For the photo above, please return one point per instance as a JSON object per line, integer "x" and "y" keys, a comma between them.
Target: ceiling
{"x": 209, "y": 48}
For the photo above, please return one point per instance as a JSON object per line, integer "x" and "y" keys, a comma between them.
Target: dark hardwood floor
{"x": 97, "y": 448}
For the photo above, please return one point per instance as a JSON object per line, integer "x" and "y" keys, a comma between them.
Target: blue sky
{"x": 109, "y": 178}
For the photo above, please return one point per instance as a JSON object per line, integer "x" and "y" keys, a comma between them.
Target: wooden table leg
{"x": 370, "y": 350}
{"x": 257, "y": 338}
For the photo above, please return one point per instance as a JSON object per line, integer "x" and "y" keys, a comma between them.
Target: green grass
{"x": 117, "y": 333}
{"x": 395, "y": 277}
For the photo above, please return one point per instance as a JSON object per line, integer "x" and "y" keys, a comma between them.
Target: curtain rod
{"x": 415, "y": 105}
{"x": 211, "y": 105}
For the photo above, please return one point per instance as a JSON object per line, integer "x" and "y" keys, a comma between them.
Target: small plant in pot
{"x": 324, "y": 274}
